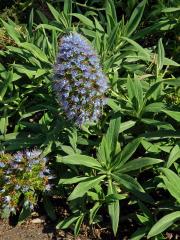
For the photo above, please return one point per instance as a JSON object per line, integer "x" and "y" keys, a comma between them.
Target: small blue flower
{"x": 2, "y": 190}
{"x": 18, "y": 157}
{"x": 2, "y": 165}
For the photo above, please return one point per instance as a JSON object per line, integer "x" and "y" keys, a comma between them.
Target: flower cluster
{"x": 22, "y": 175}
{"x": 79, "y": 82}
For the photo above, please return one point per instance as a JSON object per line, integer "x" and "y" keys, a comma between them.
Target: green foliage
{"x": 130, "y": 159}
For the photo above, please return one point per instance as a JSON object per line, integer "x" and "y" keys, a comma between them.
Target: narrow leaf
{"x": 84, "y": 186}
{"x": 164, "y": 223}
{"x": 139, "y": 163}
{"x": 78, "y": 159}
{"x": 135, "y": 18}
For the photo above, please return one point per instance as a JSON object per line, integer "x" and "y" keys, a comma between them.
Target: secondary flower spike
{"x": 79, "y": 82}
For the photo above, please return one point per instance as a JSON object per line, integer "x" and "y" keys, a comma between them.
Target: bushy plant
{"x": 127, "y": 163}
{"x": 23, "y": 176}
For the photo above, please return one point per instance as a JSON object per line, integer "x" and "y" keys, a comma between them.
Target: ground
{"x": 32, "y": 230}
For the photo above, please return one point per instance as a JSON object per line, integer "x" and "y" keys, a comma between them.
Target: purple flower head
{"x": 79, "y": 82}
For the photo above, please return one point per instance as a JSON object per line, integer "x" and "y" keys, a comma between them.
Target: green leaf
{"x": 148, "y": 146}
{"x": 49, "y": 27}
{"x": 173, "y": 114}
{"x": 68, "y": 11}
{"x": 43, "y": 18}
{"x": 86, "y": 21}
{"x": 154, "y": 107}
{"x": 84, "y": 186}
{"x": 78, "y": 159}
{"x": 161, "y": 55}
{"x": 37, "y": 52}
{"x": 172, "y": 183}
{"x": 109, "y": 142}
{"x": 135, "y": 94}
{"x": 158, "y": 124}
{"x": 126, "y": 125}
{"x": 170, "y": 62}
{"x": 3, "y": 125}
{"x": 66, "y": 222}
{"x": 171, "y": 9}
{"x": 67, "y": 149}
{"x": 54, "y": 12}
{"x": 25, "y": 69}
{"x": 31, "y": 19}
{"x": 135, "y": 18}
{"x": 127, "y": 152}
{"x": 78, "y": 224}
{"x": 174, "y": 155}
{"x": 5, "y": 84}
{"x": 138, "y": 234}
{"x": 12, "y": 32}
{"x": 93, "y": 212}
{"x": 139, "y": 163}
{"x": 72, "y": 180}
{"x": 164, "y": 223}
{"x": 155, "y": 135}
{"x": 113, "y": 208}
{"x": 153, "y": 89}
{"x": 144, "y": 53}
{"x": 133, "y": 186}
{"x": 114, "y": 197}
{"x": 112, "y": 104}
{"x": 110, "y": 15}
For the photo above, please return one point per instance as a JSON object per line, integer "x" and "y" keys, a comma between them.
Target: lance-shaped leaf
{"x": 113, "y": 208}
{"x": 84, "y": 186}
{"x": 139, "y": 163}
{"x": 77, "y": 159}
{"x": 127, "y": 152}
{"x": 133, "y": 186}
{"x": 164, "y": 223}
{"x": 109, "y": 142}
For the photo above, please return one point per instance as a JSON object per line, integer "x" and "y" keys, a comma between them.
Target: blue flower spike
{"x": 79, "y": 82}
